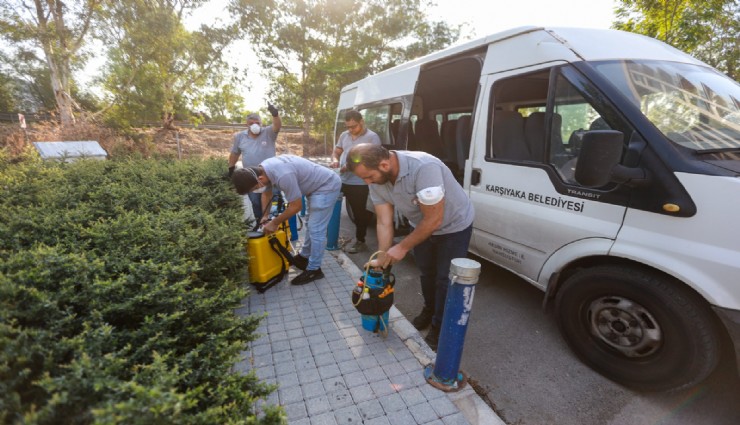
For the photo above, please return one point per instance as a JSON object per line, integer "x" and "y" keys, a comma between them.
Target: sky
{"x": 483, "y": 17}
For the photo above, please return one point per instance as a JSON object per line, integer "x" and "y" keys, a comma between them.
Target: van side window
{"x": 515, "y": 135}
{"x": 378, "y": 119}
{"x": 382, "y": 119}
{"x": 572, "y": 116}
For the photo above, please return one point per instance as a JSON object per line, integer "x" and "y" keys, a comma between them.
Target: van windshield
{"x": 694, "y": 106}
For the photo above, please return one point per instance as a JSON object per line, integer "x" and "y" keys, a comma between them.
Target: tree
{"x": 30, "y": 81}
{"x": 7, "y": 96}
{"x": 707, "y": 29}
{"x": 156, "y": 66}
{"x": 59, "y": 29}
{"x": 224, "y": 103}
{"x": 314, "y": 47}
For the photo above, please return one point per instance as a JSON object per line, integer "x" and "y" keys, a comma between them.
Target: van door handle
{"x": 475, "y": 177}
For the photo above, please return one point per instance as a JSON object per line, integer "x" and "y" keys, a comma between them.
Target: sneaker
{"x": 432, "y": 338}
{"x": 307, "y": 276}
{"x": 424, "y": 318}
{"x": 300, "y": 261}
{"x": 356, "y": 247}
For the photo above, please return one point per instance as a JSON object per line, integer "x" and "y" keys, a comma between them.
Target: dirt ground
{"x": 151, "y": 142}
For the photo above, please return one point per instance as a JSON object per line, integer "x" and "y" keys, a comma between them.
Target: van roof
{"x": 587, "y": 43}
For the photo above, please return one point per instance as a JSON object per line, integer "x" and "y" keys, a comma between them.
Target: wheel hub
{"x": 625, "y": 326}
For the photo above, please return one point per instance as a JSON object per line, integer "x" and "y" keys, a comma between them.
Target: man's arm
{"x": 266, "y": 200}
{"x": 233, "y": 157}
{"x": 277, "y": 124}
{"x": 384, "y": 231}
{"x": 384, "y": 226}
{"x": 433, "y": 216}
{"x": 335, "y": 157}
{"x": 293, "y": 208}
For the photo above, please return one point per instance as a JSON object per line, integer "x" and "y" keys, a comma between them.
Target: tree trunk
{"x": 57, "y": 57}
{"x": 306, "y": 136}
{"x": 60, "y": 85}
{"x": 168, "y": 108}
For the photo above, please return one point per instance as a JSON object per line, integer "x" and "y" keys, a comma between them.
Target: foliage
{"x": 707, "y": 29}
{"x": 312, "y": 48}
{"x": 59, "y": 30}
{"x": 118, "y": 284}
{"x": 156, "y": 67}
{"x": 7, "y": 93}
{"x": 224, "y": 102}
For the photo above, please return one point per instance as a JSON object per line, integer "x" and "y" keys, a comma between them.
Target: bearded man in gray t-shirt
{"x": 423, "y": 189}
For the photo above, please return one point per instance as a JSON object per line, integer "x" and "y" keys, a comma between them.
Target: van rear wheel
{"x": 638, "y": 328}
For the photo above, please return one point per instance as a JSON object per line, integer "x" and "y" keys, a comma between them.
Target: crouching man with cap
{"x": 296, "y": 176}
{"x": 424, "y": 190}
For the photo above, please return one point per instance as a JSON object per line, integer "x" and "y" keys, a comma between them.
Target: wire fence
{"x": 29, "y": 116}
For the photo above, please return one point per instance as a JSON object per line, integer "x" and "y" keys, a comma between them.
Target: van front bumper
{"x": 731, "y": 320}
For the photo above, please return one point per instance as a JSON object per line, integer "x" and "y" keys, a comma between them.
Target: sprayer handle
{"x": 387, "y": 272}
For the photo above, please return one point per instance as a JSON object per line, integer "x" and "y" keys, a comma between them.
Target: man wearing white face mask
{"x": 255, "y": 145}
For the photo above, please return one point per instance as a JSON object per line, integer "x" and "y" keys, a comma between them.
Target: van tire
{"x": 638, "y": 328}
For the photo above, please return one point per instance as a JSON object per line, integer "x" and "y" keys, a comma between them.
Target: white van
{"x": 603, "y": 166}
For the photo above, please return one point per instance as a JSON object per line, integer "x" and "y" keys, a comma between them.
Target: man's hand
{"x": 387, "y": 259}
{"x": 273, "y": 110}
{"x": 393, "y": 255}
{"x": 231, "y": 170}
{"x": 270, "y": 227}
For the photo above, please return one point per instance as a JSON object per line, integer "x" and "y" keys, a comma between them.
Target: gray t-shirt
{"x": 256, "y": 150}
{"x": 417, "y": 171}
{"x": 345, "y": 142}
{"x": 297, "y": 176}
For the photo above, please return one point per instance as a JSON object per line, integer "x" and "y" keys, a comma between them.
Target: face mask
{"x": 260, "y": 189}
{"x": 255, "y": 128}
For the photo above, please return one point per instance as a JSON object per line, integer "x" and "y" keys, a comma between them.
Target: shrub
{"x": 118, "y": 284}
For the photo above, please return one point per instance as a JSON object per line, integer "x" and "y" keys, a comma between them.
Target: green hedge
{"x": 118, "y": 284}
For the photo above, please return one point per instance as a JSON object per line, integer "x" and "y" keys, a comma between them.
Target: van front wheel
{"x": 640, "y": 329}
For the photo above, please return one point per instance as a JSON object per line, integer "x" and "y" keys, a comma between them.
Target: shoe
{"x": 307, "y": 276}
{"x": 300, "y": 261}
{"x": 356, "y": 247}
{"x": 424, "y": 318}
{"x": 432, "y": 338}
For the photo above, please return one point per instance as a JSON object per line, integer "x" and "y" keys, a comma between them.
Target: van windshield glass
{"x": 694, "y": 106}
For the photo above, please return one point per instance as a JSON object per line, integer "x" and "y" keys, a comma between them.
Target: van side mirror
{"x": 600, "y": 152}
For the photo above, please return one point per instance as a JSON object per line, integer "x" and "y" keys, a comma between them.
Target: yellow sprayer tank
{"x": 266, "y": 264}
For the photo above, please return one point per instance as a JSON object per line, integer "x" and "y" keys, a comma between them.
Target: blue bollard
{"x": 445, "y": 374}
{"x": 293, "y": 223}
{"x": 332, "y": 232}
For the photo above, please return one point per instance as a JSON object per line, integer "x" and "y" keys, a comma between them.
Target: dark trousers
{"x": 356, "y": 196}
{"x": 433, "y": 257}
